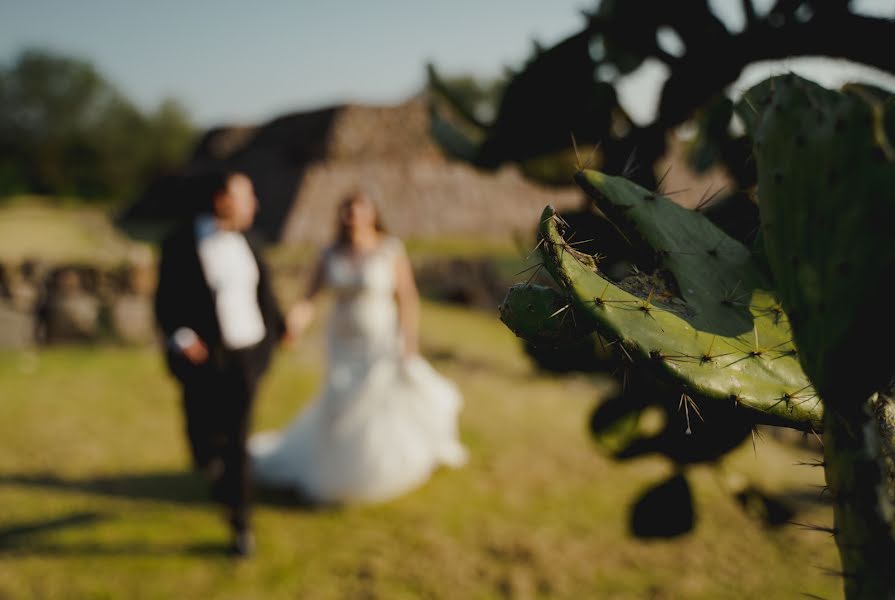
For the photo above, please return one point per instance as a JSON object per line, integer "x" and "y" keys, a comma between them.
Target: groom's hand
{"x": 287, "y": 340}
{"x": 197, "y": 352}
{"x": 299, "y": 317}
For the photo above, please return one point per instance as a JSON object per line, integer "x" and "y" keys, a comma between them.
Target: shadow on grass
{"x": 23, "y": 539}
{"x": 168, "y": 486}
{"x": 128, "y": 549}
{"x": 10, "y": 535}
{"x": 17, "y": 540}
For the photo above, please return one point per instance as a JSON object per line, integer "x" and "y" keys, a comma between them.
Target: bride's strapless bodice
{"x": 365, "y": 315}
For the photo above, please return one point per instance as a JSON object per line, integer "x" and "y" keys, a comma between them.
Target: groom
{"x": 221, "y": 322}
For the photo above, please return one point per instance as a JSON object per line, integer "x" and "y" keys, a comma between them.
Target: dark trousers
{"x": 217, "y": 402}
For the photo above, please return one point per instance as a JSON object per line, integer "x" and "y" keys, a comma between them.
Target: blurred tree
{"x": 476, "y": 98}
{"x": 570, "y": 87}
{"x": 65, "y": 130}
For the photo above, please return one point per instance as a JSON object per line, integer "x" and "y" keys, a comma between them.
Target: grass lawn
{"x": 96, "y": 500}
{"x": 60, "y": 231}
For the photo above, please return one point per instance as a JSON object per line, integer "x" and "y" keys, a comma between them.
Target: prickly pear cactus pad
{"x": 826, "y": 188}
{"x": 540, "y": 314}
{"x": 698, "y": 310}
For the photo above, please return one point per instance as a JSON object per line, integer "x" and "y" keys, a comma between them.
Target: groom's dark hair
{"x": 206, "y": 186}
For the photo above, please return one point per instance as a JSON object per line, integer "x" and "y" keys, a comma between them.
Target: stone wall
{"x": 46, "y": 304}
{"x": 76, "y": 303}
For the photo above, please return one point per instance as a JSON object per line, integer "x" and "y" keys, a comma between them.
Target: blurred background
{"x": 463, "y": 119}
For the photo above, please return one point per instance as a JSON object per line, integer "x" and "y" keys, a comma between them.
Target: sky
{"x": 231, "y": 61}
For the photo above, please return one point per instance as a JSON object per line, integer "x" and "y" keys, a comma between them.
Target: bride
{"x": 385, "y": 419}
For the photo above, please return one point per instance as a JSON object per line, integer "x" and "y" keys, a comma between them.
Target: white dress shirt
{"x": 232, "y": 274}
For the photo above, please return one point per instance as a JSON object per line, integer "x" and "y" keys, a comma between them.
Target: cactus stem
{"x": 730, "y": 297}
{"x": 775, "y": 311}
{"x": 798, "y": 393}
{"x": 681, "y": 358}
{"x": 711, "y": 357}
{"x": 535, "y": 249}
{"x": 706, "y": 358}
{"x": 630, "y": 165}
{"x": 777, "y": 345}
{"x": 755, "y": 433}
{"x": 560, "y": 220}
{"x": 575, "y": 148}
{"x": 707, "y": 198}
{"x": 646, "y": 306}
{"x": 741, "y": 359}
{"x": 624, "y": 375}
{"x": 559, "y": 311}
{"x": 685, "y": 403}
{"x": 836, "y": 573}
{"x": 749, "y": 103}
{"x": 808, "y": 399}
{"x": 784, "y": 353}
{"x": 534, "y": 274}
{"x": 811, "y": 527}
{"x": 527, "y": 269}
{"x": 784, "y": 399}
{"x": 565, "y": 313}
{"x": 602, "y": 343}
{"x": 621, "y": 345}
{"x": 661, "y": 179}
{"x": 620, "y": 301}
{"x": 680, "y": 252}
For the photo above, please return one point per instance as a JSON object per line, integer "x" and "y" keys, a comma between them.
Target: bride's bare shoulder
{"x": 392, "y": 243}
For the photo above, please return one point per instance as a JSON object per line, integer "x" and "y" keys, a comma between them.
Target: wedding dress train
{"x": 382, "y": 423}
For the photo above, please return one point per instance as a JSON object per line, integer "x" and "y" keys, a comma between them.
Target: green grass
{"x": 96, "y": 500}
{"x": 55, "y": 230}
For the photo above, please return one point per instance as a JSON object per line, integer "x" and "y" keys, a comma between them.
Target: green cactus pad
{"x": 701, "y": 313}
{"x": 826, "y": 191}
{"x": 540, "y": 314}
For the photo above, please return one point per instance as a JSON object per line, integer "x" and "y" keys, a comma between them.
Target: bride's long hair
{"x": 343, "y": 234}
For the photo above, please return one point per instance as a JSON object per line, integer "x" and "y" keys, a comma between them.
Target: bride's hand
{"x": 299, "y": 318}
{"x": 410, "y": 348}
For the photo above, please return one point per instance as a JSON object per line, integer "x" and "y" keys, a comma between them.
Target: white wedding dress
{"x": 382, "y": 423}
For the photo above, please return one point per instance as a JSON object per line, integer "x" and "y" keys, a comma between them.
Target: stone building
{"x": 304, "y": 163}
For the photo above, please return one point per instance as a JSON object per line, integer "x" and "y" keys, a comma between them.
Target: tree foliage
{"x": 66, "y": 130}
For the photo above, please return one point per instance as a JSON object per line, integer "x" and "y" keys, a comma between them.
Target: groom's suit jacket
{"x": 184, "y": 299}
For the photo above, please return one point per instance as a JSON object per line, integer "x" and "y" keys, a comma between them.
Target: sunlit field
{"x": 96, "y": 500}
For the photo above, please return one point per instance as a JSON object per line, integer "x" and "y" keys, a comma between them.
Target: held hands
{"x": 298, "y": 319}
{"x": 190, "y": 345}
{"x": 197, "y": 352}
{"x": 409, "y": 347}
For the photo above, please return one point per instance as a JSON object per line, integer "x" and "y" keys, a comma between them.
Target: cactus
{"x": 540, "y": 314}
{"x": 713, "y": 322}
{"x": 826, "y": 188}
{"x": 698, "y": 310}
{"x": 697, "y": 313}
{"x": 573, "y": 85}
